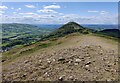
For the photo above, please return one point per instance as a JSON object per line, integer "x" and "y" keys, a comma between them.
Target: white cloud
{"x": 14, "y": 12}
{"x": 101, "y": 12}
{"x": 28, "y": 13}
{"x": 12, "y": 8}
{"x": 18, "y": 9}
{"x": 30, "y": 6}
{"x": 52, "y": 7}
{"x": 2, "y": 12}
{"x": 61, "y": 14}
{"x": 104, "y": 12}
{"x": 46, "y": 11}
{"x": 3, "y": 7}
{"x": 93, "y": 11}
{"x": 49, "y": 9}
{"x": 50, "y": 16}
{"x": 31, "y": 17}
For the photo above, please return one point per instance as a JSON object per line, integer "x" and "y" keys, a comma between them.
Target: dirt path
{"x": 78, "y": 57}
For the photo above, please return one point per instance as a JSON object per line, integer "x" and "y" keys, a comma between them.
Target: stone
{"x": 54, "y": 60}
{"x": 26, "y": 61}
{"x": 24, "y": 75}
{"x": 77, "y": 60}
{"x": 69, "y": 62}
{"x": 88, "y": 63}
{"x": 71, "y": 78}
{"x": 86, "y": 66}
{"x": 43, "y": 67}
{"x": 40, "y": 61}
{"x": 75, "y": 63}
{"x": 61, "y": 59}
{"x": 61, "y": 78}
{"x": 49, "y": 61}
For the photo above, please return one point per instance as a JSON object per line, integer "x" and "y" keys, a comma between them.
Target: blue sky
{"x": 59, "y": 12}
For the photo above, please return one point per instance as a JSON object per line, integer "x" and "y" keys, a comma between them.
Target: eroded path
{"x": 78, "y": 57}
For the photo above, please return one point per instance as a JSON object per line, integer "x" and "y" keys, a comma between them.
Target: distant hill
{"x": 110, "y": 32}
{"x": 68, "y": 28}
{"x": 15, "y": 28}
{"x": 100, "y": 27}
{"x": 21, "y": 34}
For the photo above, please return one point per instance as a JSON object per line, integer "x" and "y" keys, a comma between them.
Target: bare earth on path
{"x": 78, "y": 57}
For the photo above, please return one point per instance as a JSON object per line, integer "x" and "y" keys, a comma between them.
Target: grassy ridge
{"x": 17, "y": 52}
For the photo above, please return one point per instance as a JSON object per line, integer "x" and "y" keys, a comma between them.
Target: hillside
{"x": 68, "y": 28}
{"x": 71, "y": 57}
{"x": 69, "y": 53}
{"x": 110, "y": 32}
{"x": 21, "y": 34}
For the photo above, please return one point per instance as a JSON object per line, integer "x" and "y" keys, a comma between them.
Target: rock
{"x": 77, "y": 60}
{"x": 108, "y": 70}
{"x": 47, "y": 74}
{"x": 43, "y": 67}
{"x": 86, "y": 66}
{"x": 71, "y": 78}
{"x": 61, "y": 78}
{"x": 49, "y": 61}
{"x": 75, "y": 63}
{"x": 24, "y": 75}
{"x": 54, "y": 60}
{"x": 88, "y": 63}
{"x": 109, "y": 80}
{"x": 61, "y": 59}
{"x": 40, "y": 61}
{"x": 26, "y": 61}
{"x": 69, "y": 62}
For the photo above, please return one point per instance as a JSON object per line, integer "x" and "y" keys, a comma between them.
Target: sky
{"x": 59, "y": 12}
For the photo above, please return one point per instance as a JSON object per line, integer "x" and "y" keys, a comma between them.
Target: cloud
{"x": 18, "y": 9}
{"x": 30, "y": 6}
{"x": 93, "y": 11}
{"x": 2, "y": 12}
{"x": 46, "y": 11}
{"x": 31, "y": 13}
{"x": 3, "y": 7}
{"x": 52, "y": 7}
{"x": 14, "y": 12}
{"x": 104, "y": 12}
{"x": 12, "y": 8}
{"x": 31, "y": 17}
{"x": 49, "y": 9}
{"x": 101, "y": 12}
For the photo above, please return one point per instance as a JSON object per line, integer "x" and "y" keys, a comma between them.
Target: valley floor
{"x": 78, "y": 57}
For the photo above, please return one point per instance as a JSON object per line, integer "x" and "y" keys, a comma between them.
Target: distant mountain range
{"x": 91, "y": 26}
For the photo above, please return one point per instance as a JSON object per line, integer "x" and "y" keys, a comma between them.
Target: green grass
{"x": 105, "y": 36}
